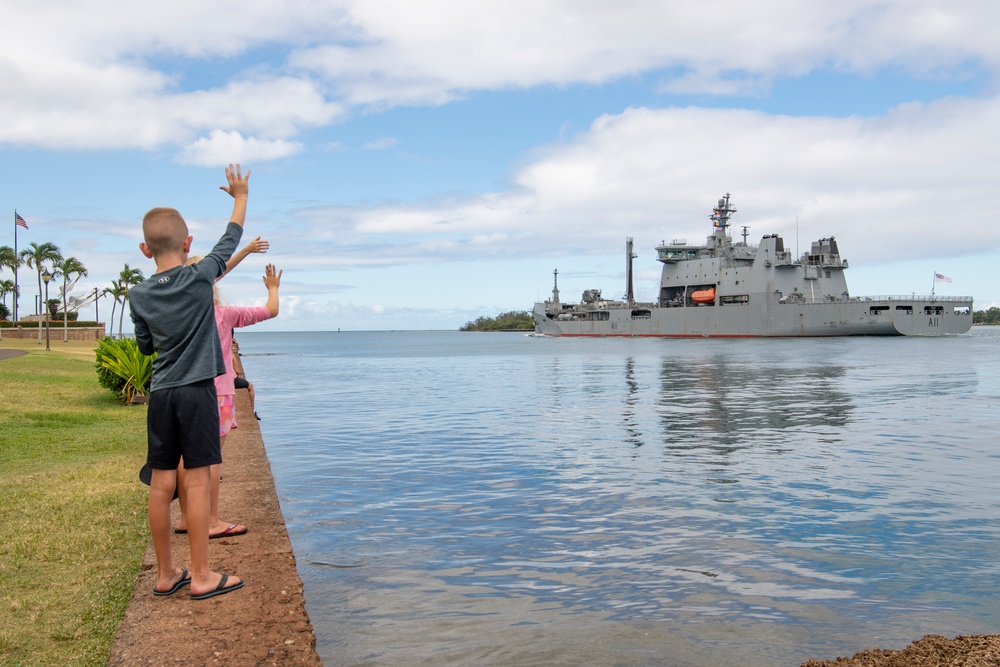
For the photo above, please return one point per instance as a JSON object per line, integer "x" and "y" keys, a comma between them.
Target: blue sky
{"x": 419, "y": 164}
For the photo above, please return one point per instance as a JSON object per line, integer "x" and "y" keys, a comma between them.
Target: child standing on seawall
{"x": 173, "y": 315}
{"x": 226, "y": 319}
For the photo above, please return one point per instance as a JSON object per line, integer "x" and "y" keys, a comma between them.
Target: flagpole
{"x": 933, "y": 282}
{"x": 16, "y": 262}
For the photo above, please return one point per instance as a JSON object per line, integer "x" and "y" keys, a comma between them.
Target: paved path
{"x": 8, "y": 354}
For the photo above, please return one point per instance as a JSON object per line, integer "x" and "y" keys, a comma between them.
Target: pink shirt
{"x": 228, "y": 318}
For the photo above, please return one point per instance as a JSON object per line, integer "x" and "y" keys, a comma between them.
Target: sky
{"x": 417, "y": 165}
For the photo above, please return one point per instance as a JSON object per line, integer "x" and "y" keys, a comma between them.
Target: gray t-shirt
{"x": 174, "y": 315}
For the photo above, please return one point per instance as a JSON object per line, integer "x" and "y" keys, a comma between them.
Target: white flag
{"x": 74, "y": 304}
{"x": 941, "y": 279}
{"x": 69, "y": 286}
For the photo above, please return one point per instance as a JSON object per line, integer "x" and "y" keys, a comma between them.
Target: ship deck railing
{"x": 916, "y": 297}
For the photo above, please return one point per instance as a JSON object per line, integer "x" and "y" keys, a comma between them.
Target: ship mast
{"x": 555, "y": 286}
{"x": 721, "y": 215}
{"x": 629, "y": 256}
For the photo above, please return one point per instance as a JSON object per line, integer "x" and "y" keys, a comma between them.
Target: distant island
{"x": 515, "y": 320}
{"x": 991, "y": 316}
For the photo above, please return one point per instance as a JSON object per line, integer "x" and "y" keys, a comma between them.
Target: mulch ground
{"x": 931, "y": 651}
{"x": 264, "y": 623}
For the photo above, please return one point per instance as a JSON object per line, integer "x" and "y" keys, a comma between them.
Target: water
{"x": 495, "y": 499}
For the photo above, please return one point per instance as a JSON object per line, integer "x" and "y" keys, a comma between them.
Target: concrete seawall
{"x": 265, "y": 623}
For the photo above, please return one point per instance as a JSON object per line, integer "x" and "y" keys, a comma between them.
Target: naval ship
{"x": 739, "y": 290}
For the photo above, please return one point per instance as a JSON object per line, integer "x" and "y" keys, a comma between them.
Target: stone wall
{"x": 55, "y": 332}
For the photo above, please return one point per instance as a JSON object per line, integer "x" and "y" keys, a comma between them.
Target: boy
{"x": 173, "y": 315}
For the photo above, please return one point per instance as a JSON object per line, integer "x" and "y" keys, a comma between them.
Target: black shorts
{"x": 183, "y": 421}
{"x": 241, "y": 383}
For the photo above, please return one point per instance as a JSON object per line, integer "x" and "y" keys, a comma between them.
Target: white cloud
{"x": 221, "y": 148}
{"x": 886, "y": 184}
{"x": 109, "y": 74}
{"x": 381, "y": 144}
{"x": 409, "y": 53}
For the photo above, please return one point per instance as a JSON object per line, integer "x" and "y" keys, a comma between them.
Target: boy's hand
{"x": 258, "y": 244}
{"x": 238, "y": 183}
{"x": 272, "y": 277}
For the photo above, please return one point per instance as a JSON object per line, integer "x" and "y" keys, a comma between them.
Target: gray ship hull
{"x": 895, "y": 316}
{"x": 724, "y": 289}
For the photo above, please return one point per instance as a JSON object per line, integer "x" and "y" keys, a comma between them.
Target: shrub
{"x": 123, "y": 369}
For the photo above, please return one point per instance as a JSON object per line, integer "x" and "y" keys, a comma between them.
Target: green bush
{"x": 123, "y": 369}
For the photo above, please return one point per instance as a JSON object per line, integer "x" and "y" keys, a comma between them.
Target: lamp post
{"x": 46, "y": 277}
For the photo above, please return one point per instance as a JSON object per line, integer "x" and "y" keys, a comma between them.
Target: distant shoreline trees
{"x": 515, "y": 320}
{"x": 991, "y": 316}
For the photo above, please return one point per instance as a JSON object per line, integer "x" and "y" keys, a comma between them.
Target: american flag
{"x": 19, "y": 221}
{"x": 941, "y": 279}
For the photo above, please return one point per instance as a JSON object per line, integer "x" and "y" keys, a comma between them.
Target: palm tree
{"x": 6, "y": 287}
{"x": 69, "y": 267}
{"x": 9, "y": 260}
{"x": 116, "y": 291}
{"x": 35, "y": 257}
{"x": 126, "y": 279}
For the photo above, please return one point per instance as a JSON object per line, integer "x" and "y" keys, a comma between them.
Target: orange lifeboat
{"x": 704, "y": 296}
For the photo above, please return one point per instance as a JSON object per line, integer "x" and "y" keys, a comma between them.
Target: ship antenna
{"x": 555, "y": 286}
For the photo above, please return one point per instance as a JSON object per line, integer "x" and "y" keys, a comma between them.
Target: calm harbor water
{"x": 496, "y": 499}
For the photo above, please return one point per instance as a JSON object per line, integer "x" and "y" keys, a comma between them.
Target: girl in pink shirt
{"x": 228, "y": 318}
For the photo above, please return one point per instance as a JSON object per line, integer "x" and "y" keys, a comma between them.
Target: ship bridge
{"x": 677, "y": 251}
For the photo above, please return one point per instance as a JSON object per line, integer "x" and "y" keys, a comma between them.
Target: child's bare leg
{"x": 215, "y": 525}
{"x": 161, "y": 493}
{"x": 181, "y": 497}
{"x": 198, "y": 491}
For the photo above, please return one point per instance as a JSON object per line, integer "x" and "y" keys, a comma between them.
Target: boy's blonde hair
{"x": 164, "y": 230}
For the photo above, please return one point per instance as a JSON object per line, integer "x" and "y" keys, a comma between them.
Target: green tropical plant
{"x": 68, "y": 268}
{"x": 35, "y": 257}
{"x": 123, "y": 369}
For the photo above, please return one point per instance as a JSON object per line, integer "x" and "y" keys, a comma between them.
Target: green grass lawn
{"x": 72, "y": 512}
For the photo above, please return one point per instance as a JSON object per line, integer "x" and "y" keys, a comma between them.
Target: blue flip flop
{"x": 183, "y": 581}
{"x": 221, "y": 589}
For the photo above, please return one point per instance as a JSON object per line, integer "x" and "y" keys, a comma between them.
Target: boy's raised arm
{"x": 239, "y": 188}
